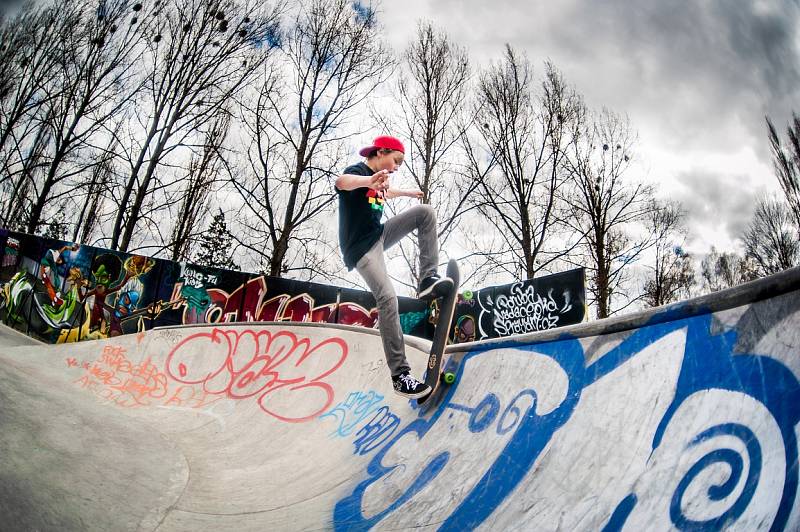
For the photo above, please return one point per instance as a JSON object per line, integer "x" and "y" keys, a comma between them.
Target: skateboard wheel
{"x": 449, "y": 377}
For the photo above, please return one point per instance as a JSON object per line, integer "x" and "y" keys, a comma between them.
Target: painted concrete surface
{"x": 685, "y": 417}
{"x": 10, "y": 337}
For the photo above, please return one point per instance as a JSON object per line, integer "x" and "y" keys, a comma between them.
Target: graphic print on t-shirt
{"x": 375, "y": 199}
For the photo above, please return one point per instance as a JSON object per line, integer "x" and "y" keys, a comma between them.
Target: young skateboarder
{"x": 363, "y": 188}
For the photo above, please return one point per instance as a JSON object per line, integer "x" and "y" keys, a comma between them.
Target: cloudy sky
{"x": 695, "y": 77}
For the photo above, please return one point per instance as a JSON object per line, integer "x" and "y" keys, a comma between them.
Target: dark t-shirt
{"x": 360, "y": 212}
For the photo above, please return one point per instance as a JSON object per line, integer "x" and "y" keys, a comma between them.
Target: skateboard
{"x": 447, "y": 307}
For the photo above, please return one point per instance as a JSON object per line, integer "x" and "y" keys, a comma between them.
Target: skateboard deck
{"x": 447, "y": 307}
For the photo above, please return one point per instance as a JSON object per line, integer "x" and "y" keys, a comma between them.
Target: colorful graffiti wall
{"x": 60, "y": 292}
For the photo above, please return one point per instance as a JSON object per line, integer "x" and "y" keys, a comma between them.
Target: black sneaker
{"x": 434, "y": 286}
{"x": 408, "y": 386}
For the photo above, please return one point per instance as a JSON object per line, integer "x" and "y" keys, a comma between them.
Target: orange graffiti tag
{"x": 112, "y": 376}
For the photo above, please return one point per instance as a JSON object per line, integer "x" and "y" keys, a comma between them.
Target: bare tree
{"x": 94, "y": 84}
{"x": 19, "y": 195}
{"x": 523, "y": 134}
{"x": 29, "y": 60}
{"x": 786, "y": 162}
{"x": 430, "y": 96}
{"x": 89, "y": 218}
{"x": 772, "y": 239}
{"x": 725, "y": 270}
{"x": 102, "y": 174}
{"x": 671, "y": 276}
{"x": 333, "y": 58}
{"x": 200, "y": 55}
{"x": 605, "y": 207}
{"x": 203, "y": 171}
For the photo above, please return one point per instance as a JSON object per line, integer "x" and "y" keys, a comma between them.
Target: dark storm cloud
{"x": 696, "y": 71}
{"x": 11, "y": 7}
{"x": 764, "y": 42}
{"x": 737, "y": 59}
{"x": 7, "y": 5}
{"x": 717, "y": 201}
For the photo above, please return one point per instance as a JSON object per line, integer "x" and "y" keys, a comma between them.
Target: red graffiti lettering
{"x": 285, "y": 372}
{"x": 353, "y": 314}
{"x": 298, "y": 308}
{"x": 324, "y": 314}
{"x": 271, "y": 310}
{"x": 247, "y": 304}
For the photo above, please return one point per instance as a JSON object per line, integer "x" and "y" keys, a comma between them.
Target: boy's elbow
{"x": 339, "y": 183}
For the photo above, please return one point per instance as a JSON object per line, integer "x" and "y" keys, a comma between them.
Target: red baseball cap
{"x": 383, "y": 142}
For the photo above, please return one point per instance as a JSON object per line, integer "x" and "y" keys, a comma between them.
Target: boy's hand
{"x": 379, "y": 180}
{"x": 398, "y": 193}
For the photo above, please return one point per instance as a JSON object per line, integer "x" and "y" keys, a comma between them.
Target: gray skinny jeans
{"x": 372, "y": 268}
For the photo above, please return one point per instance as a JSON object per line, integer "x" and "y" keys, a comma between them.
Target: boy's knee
{"x": 427, "y": 213}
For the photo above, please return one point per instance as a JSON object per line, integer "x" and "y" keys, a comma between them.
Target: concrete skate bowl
{"x": 685, "y": 417}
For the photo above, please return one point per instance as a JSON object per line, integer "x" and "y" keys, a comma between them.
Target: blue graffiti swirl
{"x": 484, "y": 413}
{"x": 719, "y": 492}
{"x": 709, "y": 363}
{"x": 376, "y": 431}
{"x": 513, "y": 410}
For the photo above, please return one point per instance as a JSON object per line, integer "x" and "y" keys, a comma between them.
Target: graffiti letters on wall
{"x": 536, "y": 305}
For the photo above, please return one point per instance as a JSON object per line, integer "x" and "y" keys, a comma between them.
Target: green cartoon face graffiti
{"x": 101, "y": 276}
{"x": 197, "y": 299}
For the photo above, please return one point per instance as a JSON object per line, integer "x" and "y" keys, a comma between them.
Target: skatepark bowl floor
{"x": 681, "y": 417}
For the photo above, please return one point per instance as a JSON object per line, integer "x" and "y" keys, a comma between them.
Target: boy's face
{"x": 389, "y": 161}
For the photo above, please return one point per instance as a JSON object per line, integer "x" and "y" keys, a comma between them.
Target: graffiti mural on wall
{"x": 687, "y": 422}
{"x": 530, "y": 306}
{"x": 201, "y": 302}
{"x": 62, "y": 292}
{"x": 70, "y": 293}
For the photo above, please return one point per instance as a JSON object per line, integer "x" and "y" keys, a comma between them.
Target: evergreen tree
{"x": 215, "y": 245}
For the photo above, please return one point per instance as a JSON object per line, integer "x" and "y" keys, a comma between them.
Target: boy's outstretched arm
{"x": 377, "y": 181}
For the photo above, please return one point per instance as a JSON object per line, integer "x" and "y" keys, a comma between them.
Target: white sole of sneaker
{"x": 413, "y": 395}
{"x": 437, "y": 289}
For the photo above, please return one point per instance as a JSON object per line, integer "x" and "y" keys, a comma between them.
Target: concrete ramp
{"x": 685, "y": 417}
